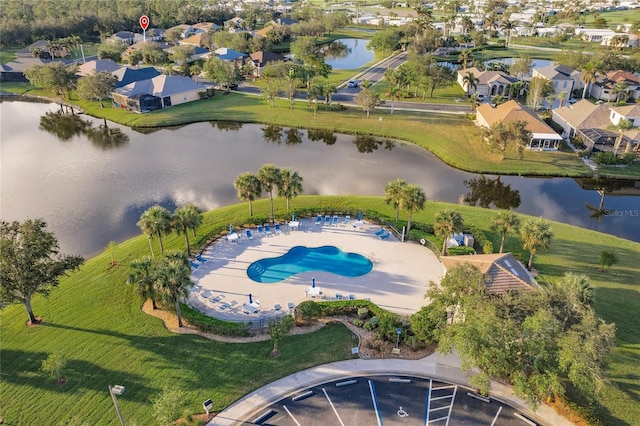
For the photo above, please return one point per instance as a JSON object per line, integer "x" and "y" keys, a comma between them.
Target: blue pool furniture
{"x": 278, "y": 230}
{"x": 260, "y": 230}
{"x": 267, "y": 230}
{"x": 335, "y": 221}
{"x": 380, "y": 232}
{"x": 217, "y": 298}
{"x": 385, "y": 236}
{"x": 352, "y": 297}
{"x": 327, "y": 220}
{"x": 200, "y": 258}
{"x": 277, "y": 306}
{"x": 193, "y": 264}
{"x": 319, "y": 219}
{"x": 207, "y": 294}
{"x": 339, "y": 296}
{"x": 346, "y": 221}
{"x": 249, "y": 236}
{"x": 291, "y": 305}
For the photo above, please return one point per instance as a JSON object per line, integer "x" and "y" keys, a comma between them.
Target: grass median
{"x": 94, "y": 319}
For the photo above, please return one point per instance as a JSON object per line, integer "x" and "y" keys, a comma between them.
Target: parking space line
{"x": 441, "y": 418}
{"x": 334, "y": 408}
{"x": 446, "y": 407}
{"x": 452, "y": 397}
{"x": 428, "y": 404}
{"x": 375, "y": 403}
{"x": 290, "y": 415}
{"x": 496, "y": 417}
{"x": 445, "y": 387}
{"x": 441, "y": 397}
{"x": 453, "y": 400}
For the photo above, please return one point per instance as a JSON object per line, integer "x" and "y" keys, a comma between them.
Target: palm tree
{"x": 185, "y": 218}
{"x": 622, "y": 126}
{"x": 249, "y": 188}
{"x": 467, "y": 24}
{"x": 465, "y": 57}
{"x": 328, "y": 90}
{"x": 470, "y": 81}
{"x": 173, "y": 279}
{"x": 506, "y": 223}
{"x": 394, "y": 192}
{"x": 155, "y": 221}
{"x": 621, "y": 90}
{"x": 290, "y": 185}
{"x": 590, "y": 71}
{"x": 394, "y": 93}
{"x": 142, "y": 274}
{"x": 447, "y": 223}
{"x": 269, "y": 177}
{"x": 475, "y": 101}
{"x": 413, "y": 200}
{"x": 508, "y": 26}
{"x": 536, "y": 235}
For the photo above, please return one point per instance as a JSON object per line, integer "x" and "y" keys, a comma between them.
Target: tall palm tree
{"x": 506, "y": 223}
{"x": 622, "y": 126}
{"x": 465, "y": 57}
{"x": 269, "y": 177}
{"x": 394, "y": 192}
{"x": 508, "y": 26}
{"x": 185, "y": 218}
{"x": 470, "y": 81}
{"x": 290, "y": 185}
{"x": 590, "y": 71}
{"x": 156, "y": 220}
{"x": 142, "y": 274}
{"x": 621, "y": 90}
{"x": 447, "y": 223}
{"x": 475, "y": 101}
{"x": 536, "y": 235}
{"x": 173, "y": 279}
{"x": 249, "y": 188}
{"x": 413, "y": 200}
{"x": 394, "y": 93}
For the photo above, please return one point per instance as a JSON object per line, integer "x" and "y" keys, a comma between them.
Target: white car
{"x": 352, "y": 84}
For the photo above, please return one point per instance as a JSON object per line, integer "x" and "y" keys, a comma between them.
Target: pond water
{"x": 348, "y": 53}
{"x": 91, "y": 189}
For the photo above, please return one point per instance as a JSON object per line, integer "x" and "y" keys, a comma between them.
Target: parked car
{"x": 352, "y": 84}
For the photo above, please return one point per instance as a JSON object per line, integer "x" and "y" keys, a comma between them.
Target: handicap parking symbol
{"x": 402, "y": 413}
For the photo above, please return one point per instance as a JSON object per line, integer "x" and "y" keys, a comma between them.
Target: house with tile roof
{"x": 564, "y": 78}
{"x": 543, "y": 137}
{"x": 231, "y": 55}
{"x": 261, "y": 58}
{"x": 159, "y": 92}
{"x": 603, "y": 88}
{"x": 490, "y": 83}
{"x": 594, "y": 125}
{"x": 503, "y": 271}
{"x": 14, "y": 70}
{"x": 96, "y": 66}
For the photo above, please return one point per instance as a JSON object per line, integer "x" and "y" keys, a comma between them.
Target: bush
{"x": 358, "y": 322}
{"x": 309, "y": 310}
{"x": 480, "y": 383}
{"x": 374, "y": 321}
{"x": 605, "y": 158}
{"x": 414, "y": 343}
{"x": 363, "y": 313}
{"x": 368, "y": 326}
{"x": 211, "y": 325}
{"x": 332, "y": 107}
{"x": 456, "y": 251}
{"x": 628, "y": 158}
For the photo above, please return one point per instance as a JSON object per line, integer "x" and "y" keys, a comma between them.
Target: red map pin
{"x": 144, "y": 22}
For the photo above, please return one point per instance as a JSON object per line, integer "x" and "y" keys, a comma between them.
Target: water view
{"x": 348, "y": 53}
{"x": 92, "y": 181}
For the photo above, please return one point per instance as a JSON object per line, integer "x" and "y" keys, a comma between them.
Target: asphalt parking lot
{"x": 387, "y": 400}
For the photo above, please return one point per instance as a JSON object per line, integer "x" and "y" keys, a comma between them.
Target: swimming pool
{"x": 303, "y": 259}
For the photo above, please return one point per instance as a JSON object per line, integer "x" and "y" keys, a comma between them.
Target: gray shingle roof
{"x": 161, "y": 86}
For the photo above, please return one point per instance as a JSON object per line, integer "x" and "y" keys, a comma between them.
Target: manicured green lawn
{"x": 8, "y": 54}
{"x": 94, "y": 319}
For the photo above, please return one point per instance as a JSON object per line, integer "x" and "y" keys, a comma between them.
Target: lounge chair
{"x": 346, "y": 221}
{"x": 200, "y": 258}
{"x": 277, "y": 306}
{"x": 217, "y": 298}
{"x": 380, "y": 232}
{"x": 319, "y": 219}
{"x": 352, "y": 297}
{"x": 291, "y": 305}
{"x": 385, "y": 236}
{"x": 278, "y": 230}
{"x": 339, "y": 296}
{"x": 267, "y": 230}
{"x": 327, "y": 220}
{"x": 335, "y": 221}
{"x": 207, "y": 294}
{"x": 193, "y": 264}
{"x": 260, "y": 230}
{"x": 249, "y": 236}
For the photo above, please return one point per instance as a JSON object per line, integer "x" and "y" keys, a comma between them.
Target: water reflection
{"x": 487, "y": 193}
{"x": 272, "y": 133}
{"x": 226, "y": 125}
{"x": 326, "y": 136}
{"x": 105, "y": 137}
{"x": 66, "y": 125}
{"x": 337, "y": 49}
{"x": 350, "y": 53}
{"x": 293, "y": 136}
{"x": 367, "y": 144}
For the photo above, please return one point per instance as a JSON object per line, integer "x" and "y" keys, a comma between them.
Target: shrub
{"x": 414, "y": 343}
{"x": 374, "y": 321}
{"x": 211, "y": 325}
{"x": 605, "y": 158}
{"x": 358, "y": 322}
{"x": 368, "y": 326}
{"x": 456, "y": 251}
{"x": 363, "y": 313}
{"x": 481, "y": 383}
{"x": 309, "y": 310}
{"x": 628, "y": 158}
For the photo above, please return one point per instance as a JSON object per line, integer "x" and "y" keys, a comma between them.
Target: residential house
{"x": 262, "y": 58}
{"x": 490, "y": 83}
{"x": 96, "y": 66}
{"x": 198, "y": 53}
{"x": 124, "y": 37}
{"x": 603, "y": 88}
{"x": 234, "y": 23}
{"x": 159, "y": 92}
{"x": 127, "y": 75}
{"x": 140, "y": 44}
{"x": 564, "y": 78}
{"x": 594, "y": 35}
{"x": 503, "y": 271}
{"x": 543, "y": 137}
{"x": 594, "y": 125}
{"x": 42, "y": 46}
{"x": 231, "y": 55}
{"x": 14, "y": 70}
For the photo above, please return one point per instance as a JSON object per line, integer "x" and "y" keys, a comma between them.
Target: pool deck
{"x": 398, "y": 281}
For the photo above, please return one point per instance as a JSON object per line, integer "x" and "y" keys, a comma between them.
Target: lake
{"x": 348, "y": 53}
{"x": 91, "y": 189}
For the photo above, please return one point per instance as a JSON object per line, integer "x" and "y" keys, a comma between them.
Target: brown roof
{"x": 263, "y": 57}
{"x": 617, "y": 76}
{"x": 583, "y": 115}
{"x": 195, "y": 40}
{"x": 513, "y": 111}
{"x": 503, "y": 270}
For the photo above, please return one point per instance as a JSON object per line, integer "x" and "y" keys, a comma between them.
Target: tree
{"x": 52, "y": 76}
{"x": 475, "y": 101}
{"x": 279, "y": 328}
{"x": 536, "y": 236}
{"x": 249, "y": 188}
{"x": 156, "y": 220}
{"x": 622, "y": 126}
{"x": 167, "y": 405}
{"x": 142, "y": 274}
{"x": 621, "y": 90}
{"x": 173, "y": 279}
{"x": 466, "y": 57}
{"x": 30, "y": 262}
{"x": 470, "y": 81}
{"x": 367, "y": 99}
{"x": 135, "y": 58}
{"x": 539, "y": 89}
{"x": 269, "y": 177}
{"x": 185, "y": 218}
{"x": 223, "y": 72}
{"x": 181, "y": 55}
{"x": 53, "y": 366}
{"x": 413, "y": 200}
{"x": 607, "y": 259}
{"x": 502, "y": 135}
{"x": 447, "y": 223}
{"x": 290, "y": 185}
{"x": 506, "y": 223}
{"x": 521, "y": 67}
{"x": 97, "y": 86}
{"x": 590, "y": 71}
{"x": 394, "y": 193}
{"x": 385, "y": 41}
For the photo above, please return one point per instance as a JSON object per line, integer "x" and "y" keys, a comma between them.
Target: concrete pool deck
{"x": 398, "y": 281}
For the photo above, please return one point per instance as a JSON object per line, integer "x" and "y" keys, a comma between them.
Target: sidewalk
{"x": 436, "y": 366}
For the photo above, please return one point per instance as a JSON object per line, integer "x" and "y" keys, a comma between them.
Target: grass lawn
{"x": 94, "y": 320}
{"x": 8, "y": 54}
